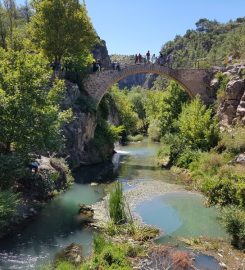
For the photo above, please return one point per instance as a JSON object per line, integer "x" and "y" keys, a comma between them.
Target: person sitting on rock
{"x": 34, "y": 166}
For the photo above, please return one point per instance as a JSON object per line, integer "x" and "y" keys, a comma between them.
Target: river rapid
{"x": 177, "y": 214}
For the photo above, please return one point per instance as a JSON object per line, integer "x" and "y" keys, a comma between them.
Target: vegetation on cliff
{"x": 211, "y": 41}
{"x": 34, "y": 40}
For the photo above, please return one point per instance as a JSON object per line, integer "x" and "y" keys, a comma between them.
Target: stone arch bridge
{"x": 194, "y": 81}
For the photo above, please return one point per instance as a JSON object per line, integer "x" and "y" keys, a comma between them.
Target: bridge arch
{"x": 194, "y": 81}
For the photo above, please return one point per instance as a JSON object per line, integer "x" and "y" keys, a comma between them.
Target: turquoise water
{"x": 181, "y": 214}
{"x": 58, "y": 225}
{"x": 54, "y": 228}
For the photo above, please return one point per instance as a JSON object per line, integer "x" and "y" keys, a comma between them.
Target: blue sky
{"x": 133, "y": 26}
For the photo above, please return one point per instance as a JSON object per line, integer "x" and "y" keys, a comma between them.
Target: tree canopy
{"x": 30, "y": 116}
{"x": 62, "y": 28}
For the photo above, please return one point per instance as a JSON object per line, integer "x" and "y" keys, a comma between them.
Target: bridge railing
{"x": 202, "y": 63}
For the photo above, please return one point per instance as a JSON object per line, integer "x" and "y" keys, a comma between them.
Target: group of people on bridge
{"x": 138, "y": 59}
{"x": 161, "y": 59}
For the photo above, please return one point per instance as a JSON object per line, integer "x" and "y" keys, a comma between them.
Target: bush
{"x": 135, "y": 138}
{"x": 207, "y": 163}
{"x": 12, "y": 168}
{"x": 186, "y": 157}
{"x": 223, "y": 81}
{"x": 233, "y": 219}
{"x": 108, "y": 255}
{"x": 106, "y": 133}
{"x": 154, "y": 131}
{"x": 223, "y": 184}
{"x": 222, "y": 192}
{"x": 117, "y": 205}
{"x": 233, "y": 140}
{"x": 65, "y": 178}
{"x": 8, "y": 206}
{"x": 197, "y": 128}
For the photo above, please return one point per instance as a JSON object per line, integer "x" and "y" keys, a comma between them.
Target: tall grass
{"x": 117, "y": 205}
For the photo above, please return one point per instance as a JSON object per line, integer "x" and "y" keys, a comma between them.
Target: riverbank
{"x": 138, "y": 192}
{"x": 35, "y": 190}
{"x": 227, "y": 257}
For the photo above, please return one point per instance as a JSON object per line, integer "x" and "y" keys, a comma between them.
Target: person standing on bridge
{"x": 148, "y": 55}
{"x": 140, "y": 58}
{"x": 118, "y": 66}
{"x": 136, "y": 59}
{"x": 153, "y": 59}
{"x": 161, "y": 59}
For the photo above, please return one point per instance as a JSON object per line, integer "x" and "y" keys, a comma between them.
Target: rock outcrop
{"x": 79, "y": 133}
{"x": 100, "y": 52}
{"x": 72, "y": 253}
{"x": 232, "y": 108}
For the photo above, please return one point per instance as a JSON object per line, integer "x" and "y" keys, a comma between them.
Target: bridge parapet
{"x": 194, "y": 81}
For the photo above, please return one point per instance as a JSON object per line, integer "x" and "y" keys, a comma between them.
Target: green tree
{"x": 30, "y": 115}
{"x": 163, "y": 107}
{"x": 11, "y": 15}
{"x": 3, "y": 27}
{"x": 137, "y": 96}
{"x": 128, "y": 118}
{"x": 62, "y": 28}
{"x": 197, "y": 127}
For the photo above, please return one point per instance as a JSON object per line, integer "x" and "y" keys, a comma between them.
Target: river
{"x": 178, "y": 214}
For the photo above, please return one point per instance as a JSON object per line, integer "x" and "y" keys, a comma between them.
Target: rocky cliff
{"x": 232, "y": 109}
{"x": 100, "y": 52}
{"x": 79, "y": 133}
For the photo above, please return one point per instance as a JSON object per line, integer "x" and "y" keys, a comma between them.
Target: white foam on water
{"x": 122, "y": 152}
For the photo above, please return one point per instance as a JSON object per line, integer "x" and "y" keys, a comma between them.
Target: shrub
{"x": 233, "y": 140}
{"x": 135, "y": 138}
{"x": 181, "y": 260}
{"x": 186, "y": 157}
{"x": 197, "y": 128}
{"x": 12, "y": 168}
{"x": 65, "y": 177}
{"x": 207, "y": 163}
{"x": 222, "y": 192}
{"x": 223, "y": 81}
{"x": 117, "y": 205}
{"x": 8, "y": 206}
{"x": 108, "y": 255}
{"x": 106, "y": 133}
{"x": 233, "y": 219}
{"x": 154, "y": 130}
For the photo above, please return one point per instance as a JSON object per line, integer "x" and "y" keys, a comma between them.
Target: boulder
{"x": 86, "y": 214}
{"x": 235, "y": 89}
{"x": 72, "y": 253}
{"x": 239, "y": 159}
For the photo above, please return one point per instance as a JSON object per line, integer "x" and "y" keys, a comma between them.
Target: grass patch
{"x": 137, "y": 232}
